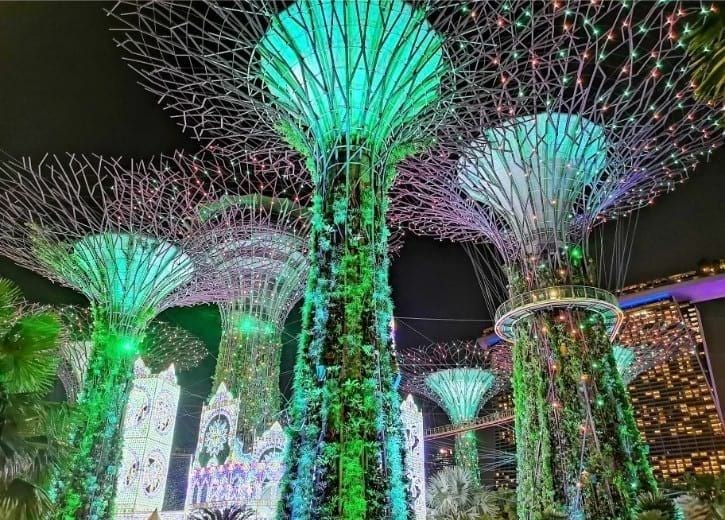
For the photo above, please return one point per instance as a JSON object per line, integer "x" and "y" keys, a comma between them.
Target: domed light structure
{"x": 587, "y": 139}
{"x": 256, "y": 233}
{"x": 460, "y": 376}
{"x": 354, "y": 87}
{"x": 121, "y": 235}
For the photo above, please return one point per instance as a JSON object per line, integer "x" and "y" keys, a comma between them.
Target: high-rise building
{"x": 675, "y": 402}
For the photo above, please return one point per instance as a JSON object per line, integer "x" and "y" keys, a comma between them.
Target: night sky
{"x": 64, "y": 88}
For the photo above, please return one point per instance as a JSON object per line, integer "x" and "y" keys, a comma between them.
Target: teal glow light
{"x": 461, "y": 391}
{"x": 355, "y": 69}
{"x": 624, "y": 358}
{"x": 534, "y": 171}
{"x": 128, "y": 276}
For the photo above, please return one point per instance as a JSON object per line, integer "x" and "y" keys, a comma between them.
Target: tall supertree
{"x": 353, "y": 87}
{"x": 163, "y": 344}
{"x": 255, "y": 231}
{"x": 460, "y": 376}
{"x": 123, "y": 235}
{"x": 617, "y": 127}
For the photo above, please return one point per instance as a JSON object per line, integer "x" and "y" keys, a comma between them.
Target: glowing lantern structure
{"x": 460, "y": 376}
{"x": 256, "y": 232}
{"x": 148, "y": 431}
{"x": 353, "y": 87}
{"x": 123, "y": 236}
{"x": 613, "y": 125}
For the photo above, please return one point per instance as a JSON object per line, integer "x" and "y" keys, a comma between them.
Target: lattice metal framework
{"x": 255, "y": 231}
{"x": 123, "y": 234}
{"x": 590, "y": 138}
{"x": 460, "y": 376}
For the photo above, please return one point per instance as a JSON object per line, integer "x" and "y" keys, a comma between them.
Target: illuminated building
{"x": 148, "y": 430}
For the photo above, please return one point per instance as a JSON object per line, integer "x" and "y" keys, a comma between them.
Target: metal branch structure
{"x": 255, "y": 231}
{"x": 460, "y": 376}
{"x": 123, "y": 235}
{"x": 353, "y": 87}
{"x": 569, "y": 149}
{"x": 163, "y": 344}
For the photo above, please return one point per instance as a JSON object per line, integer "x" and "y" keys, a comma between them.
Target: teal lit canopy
{"x": 461, "y": 391}
{"x": 535, "y": 171}
{"x": 128, "y": 277}
{"x": 357, "y": 70}
{"x": 624, "y": 358}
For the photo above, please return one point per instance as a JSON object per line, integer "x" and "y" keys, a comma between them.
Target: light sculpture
{"x": 413, "y": 434}
{"x": 460, "y": 376}
{"x": 162, "y": 345}
{"x": 255, "y": 232}
{"x": 353, "y": 87}
{"x": 616, "y": 127}
{"x": 148, "y": 431}
{"x": 122, "y": 235}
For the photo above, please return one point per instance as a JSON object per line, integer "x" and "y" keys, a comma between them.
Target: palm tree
{"x": 31, "y": 429}
{"x": 228, "y": 513}
{"x": 704, "y": 499}
{"x": 454, "y": 494}
{"x": 704, "y": 41}
{"x": 655, "y": 506}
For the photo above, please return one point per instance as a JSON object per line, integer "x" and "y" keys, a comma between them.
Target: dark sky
{"x": 64, "y": 88}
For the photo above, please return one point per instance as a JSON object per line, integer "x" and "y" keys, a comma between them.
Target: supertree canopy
{"x": 593, "y": 137}
{"x": 255, "y": 230}
{"x": 163, "y": 344}
{"x": 123, "y": 236}
{"x": 460, "y": 376}
{"x": 353, "y": 87}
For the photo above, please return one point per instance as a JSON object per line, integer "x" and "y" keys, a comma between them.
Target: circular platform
{"x": 581, "y": 297}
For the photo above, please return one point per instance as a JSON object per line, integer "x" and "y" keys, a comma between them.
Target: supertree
{"x": 163, "y": 344}
{"x": 460, "y": 376}
{"x": 255, "y": 231}
{"x": 123, "y": 235}
{"x": 353, "y": 87}
{"x": 639, "y": 348}
{"x": 617, "y": 127}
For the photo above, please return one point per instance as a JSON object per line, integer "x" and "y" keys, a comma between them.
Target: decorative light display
{"x": 224, "y": 472}
{"x": 148, "y": 431}
{"x": 255, "y": 232}
{"x": 162, "y": 345}
{"x": 584, "y": 133}
{"x": 353, "y": 87}
{"x": 124, "y": 236}
{"x": 459, "y": 376}
{"x": 413, "y": 434}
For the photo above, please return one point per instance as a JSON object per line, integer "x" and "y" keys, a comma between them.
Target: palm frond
{"x": 29, "y": 354}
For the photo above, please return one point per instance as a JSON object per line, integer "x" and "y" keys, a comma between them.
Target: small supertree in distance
{"x": 123, "y": 235}
{"x": 353, "y": 87}
{"x": 459, "y": 376}
{"x": 162, "y": 345}
{"x": 618, "y": 126}
{"x": 255, "y": 231}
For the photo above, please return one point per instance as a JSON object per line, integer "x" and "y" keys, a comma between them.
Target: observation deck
{"x": 577, "y": 297}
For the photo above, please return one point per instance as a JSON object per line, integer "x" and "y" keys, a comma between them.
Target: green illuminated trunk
{"x": 465, "y": 453}
{"x": 598, "y": 464}
{"x": 86, "y": 482}
{"x": 346, "y": 451}
{"x": 249, "y": 363}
